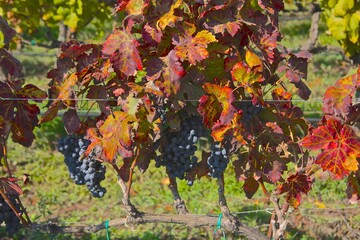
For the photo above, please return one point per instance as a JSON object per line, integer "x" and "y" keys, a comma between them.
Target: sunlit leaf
{"x": 169, "y": 19}
{"x": 338, "y": 98}
{"x": 217, "y": 104}
{"x": 121, "y": 47}
{"x": 193, "y": 49}
{"x": 114, "y": 136}
{"x": 168, "y": 71}
{"x": 244, "y": 76}
{"x": 339, "y": 144}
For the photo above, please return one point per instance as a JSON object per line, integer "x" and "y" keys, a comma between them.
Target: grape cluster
{"x": 218, "y": 159}
{"x": 249, "y": 111}
{"x": 161, "y": 112}
{"x": 177, "y": 152}
{"x": 8, "y": 216}
{"x": 87, "y": 171}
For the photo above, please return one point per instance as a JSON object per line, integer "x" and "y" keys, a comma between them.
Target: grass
{"x": 52, "y": 196}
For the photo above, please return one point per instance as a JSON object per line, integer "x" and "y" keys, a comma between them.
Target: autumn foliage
{"x": 198, "y": 58}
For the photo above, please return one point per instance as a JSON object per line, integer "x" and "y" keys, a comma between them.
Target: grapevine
{"x": 174, "y": 72}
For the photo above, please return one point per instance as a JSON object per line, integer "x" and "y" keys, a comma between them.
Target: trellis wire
{"x": 319, "y": 100}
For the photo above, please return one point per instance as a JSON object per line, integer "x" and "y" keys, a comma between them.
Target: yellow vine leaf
{"x": 169, "y": 18}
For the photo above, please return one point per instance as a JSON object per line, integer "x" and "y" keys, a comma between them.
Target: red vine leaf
{"x": 222, "y": 20}
{"x": 274, "y": 170}
{"x": 98, "y": 92}
{"x": 193, "y": 49}
{"x": 340, "y": 147}
{"x": 231, "y": 27}
{"x": 10, "y": 185}
{"x": 272, "y": 6}
{"x": 338, "y": 98}
{"x": 19, "y": 112}
{"x": 71, "y": 121}
{"x": 114, "y": 136}
{"x": 250, "y": 187}
{"x": 75, "y": 49}
{"x": 121, "y": 46}
{"x": 216, "y": 105}
{"x": 295, "y": 185}
{"x": 152, "y": 35}
{"x": 168, "y": 71}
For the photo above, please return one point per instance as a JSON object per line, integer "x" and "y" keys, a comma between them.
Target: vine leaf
{"x": 115, "y": 136}
{"x": 169, "y": 19}
{"x": 7, "y": 31}
{"x": 244, "y": 76}
{"x": 151, "y": 35}
{"x": 193, "y": 49}
{"x": 250, "y": 187}
{"x": 19, "y": 112}
{"x": 222, "y": 20}
{"x": 135, "y": 7}
{"x": 296, "y": 70}
{"x": 295, "y": 185}
{"x": 168, "y": 71}
{"x": 121, "y": 46}
{"x": 144, "y": 114}
{"x": 10, "y": 63}
{"x": 274, "y": 170}
{"x": 253, "y": 61}
{"x": 353, "y": 187}
{"x": 216, "y": 105}
{"x": 10, "y": 185}
{"x": 340, "y": 147}
{"x": 273, "y": 6}
{"x": 71, "y": 121}
{"x": 74, "y": 50}
{"x": 338, "y": 98}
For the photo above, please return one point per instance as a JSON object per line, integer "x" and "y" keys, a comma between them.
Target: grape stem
{"x": 17, "y": 213}
{"x": 178, "y": 202}
{"x": 132, "y": 170}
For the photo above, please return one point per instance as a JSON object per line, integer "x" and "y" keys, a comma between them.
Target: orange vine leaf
{"x": 338, "y": 98}
{"x": 339, "y": 144}
{"x": 114, "y": 136}
{"x": 193, "y": 49}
